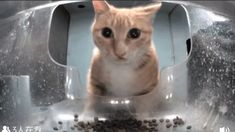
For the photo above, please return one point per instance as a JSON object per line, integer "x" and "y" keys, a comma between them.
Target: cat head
{"x": 122, "y": 34}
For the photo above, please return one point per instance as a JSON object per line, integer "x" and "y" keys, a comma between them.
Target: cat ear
{"x": 152, "y": 9}
{"x": 149, "y": 10}
{"x": 100, "y": 6}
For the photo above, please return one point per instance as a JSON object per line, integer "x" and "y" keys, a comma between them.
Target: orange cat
{"x": 125, "y": 61}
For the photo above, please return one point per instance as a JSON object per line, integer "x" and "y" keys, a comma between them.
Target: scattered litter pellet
{"x": 168, "y": 125}
{"x": 60, "y": 122}
{"x": 72, "y": 128}
{"x": 161, "y": 120}
{"x": 76, "y": 120}
{"x": 75, "y": 116}
{"x": 154, "y": 120}
{"x": 189, "y": 127}
{"x": 155, "y": 124}
{"x": 167, "y": 120}
{"x": 145, "y": 121}
{"x": 55, "y": 128}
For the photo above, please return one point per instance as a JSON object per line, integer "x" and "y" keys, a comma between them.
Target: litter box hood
{"x": 38, "y": 87}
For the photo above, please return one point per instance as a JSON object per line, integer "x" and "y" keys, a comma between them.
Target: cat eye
{"x": 134, "y": 33}
{"x": 107, "y": 32}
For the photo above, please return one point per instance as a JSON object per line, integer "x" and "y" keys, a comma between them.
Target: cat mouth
{"x": 121, "y": 58}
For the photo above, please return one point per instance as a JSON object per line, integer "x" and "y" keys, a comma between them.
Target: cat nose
{"x": 121, "y": 55}
{"x": 120, "y": 50}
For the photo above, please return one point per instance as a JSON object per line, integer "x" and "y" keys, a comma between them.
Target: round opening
{"x": 81, "y": 6}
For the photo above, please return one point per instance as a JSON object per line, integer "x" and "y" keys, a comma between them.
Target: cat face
{"x": 122, "y": 34}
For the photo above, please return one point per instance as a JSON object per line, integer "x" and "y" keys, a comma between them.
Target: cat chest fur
{"x": 121, "y": 79}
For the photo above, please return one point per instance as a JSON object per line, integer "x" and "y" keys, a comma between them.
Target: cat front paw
{"x": 87, "y": 116}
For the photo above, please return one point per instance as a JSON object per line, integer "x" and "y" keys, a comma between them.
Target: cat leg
{"x": 89, "y": 112}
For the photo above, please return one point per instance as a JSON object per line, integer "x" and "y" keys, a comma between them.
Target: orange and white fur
{"x": 124, "y": 62}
